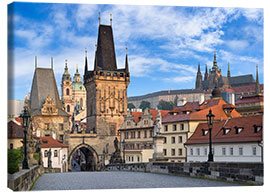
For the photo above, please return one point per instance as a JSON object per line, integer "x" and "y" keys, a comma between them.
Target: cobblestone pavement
{"x": 118, "y": 180}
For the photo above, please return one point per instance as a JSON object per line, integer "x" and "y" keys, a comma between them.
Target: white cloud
{"x": 179, "y": 79}
{"x": 237, "y": 44}
{"x": 84, "y": 13}
{"x": 253, "y": 14}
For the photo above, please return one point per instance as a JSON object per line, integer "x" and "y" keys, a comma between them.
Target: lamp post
{"x": 39, "y": 152}
{"x": 210, "y": 119}
{"x": 25, "y": 118}
{"x": 124, "y": 158}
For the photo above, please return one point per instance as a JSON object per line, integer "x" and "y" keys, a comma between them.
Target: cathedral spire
{"x": 199, "y": 67}
{"x": 199, "y": 78}
{"x": 257, "y": 86}
{"x": 35, "y": 61}
{"x": 206, "y": 73}
{"x": 215, "y": 67}
{"x": 51, "y": 62}
{"x": 126, "y": 62}
{"x": 229, "y": 72}
{"x": 86, "y": 63}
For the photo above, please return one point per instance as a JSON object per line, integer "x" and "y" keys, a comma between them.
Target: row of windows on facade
{"x": 138, "y": 146}
{"x": 55, "y": 153}
{"x": 173, "y": 153}
{"x": 174, "y": 127}
{"x": 132, "y": 158}
{"x": 173, "y": 141}
{"x": 224, "y": 151}
{"x": 133, "y": 134}
{"x": 60, "y": 125}
{"x": 145, "y": 122}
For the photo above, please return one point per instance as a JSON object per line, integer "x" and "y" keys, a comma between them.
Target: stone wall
{"x": 251, "y": 173}
{"x": 23, "y": 180}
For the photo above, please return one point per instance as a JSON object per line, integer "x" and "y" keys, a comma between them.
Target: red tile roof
{"x": 218, "y": 136}
{"x": 247, "y": 88}
{"x": 49, "y": 142}
{"x": 137, "y": 115}
{"x": 216, "y": 105}
{"x": 249, "y": 99}
{"x": 15, "y": 131}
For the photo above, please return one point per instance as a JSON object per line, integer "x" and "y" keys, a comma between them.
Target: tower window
{"x": 67, "y": 91}
{"x": 81, "y": 102}
{"x": 68, "y": 108}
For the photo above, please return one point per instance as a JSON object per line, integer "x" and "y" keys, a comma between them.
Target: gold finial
{"x": 99, "y": 18}
{"x": 111, "y": 19}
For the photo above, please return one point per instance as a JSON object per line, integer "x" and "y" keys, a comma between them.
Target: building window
{"x": 145, "y": 122}
{"x": 132, "y": 135}
{"x": 180, "y": 151}
{"x": 191, "y": 151}
{"x": 55, "y": 153}
{"x": 231, "y": 151}
{"x": 139, "y": 134}
{"x": 46, "y": 153}
{"x": 61, "y": 126}
{"x": 145, "y": 133}
{"x": 173, "y": 152}
{"x": 240, "y": 150}
{"x": 165, "y": 140}
{"x": 173, "y": 139}
{"x": 68, "y": 108}
{"x": 223, "y": 151}
{"x": 128, "y": 123}
{"x": 112, "y": 129}
{"x": 138, "y": 158}
{"x": 138, "y": 146}
{"x": 11, "y": 146}
{"x": 67, "y": 91}
{"x": 126, "y": 135}
{"x": 180, "y": 139}
{"x": 254, "y": 151}
{"x": 164, "y": 151}
{"x": 182, "y": 126}
{"x": 165, "y": 127}
{"x": 198, "y": 151}
{"x": 151, "y": 133}
{"x": 132, "y": 159}
{"x": 205, "y": 151}
{"x": 174, "y": 127}
{"x": 61, "y": 138}
{"x": 81, "y": 102}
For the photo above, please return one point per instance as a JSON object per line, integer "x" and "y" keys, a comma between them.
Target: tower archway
{"x": 83, "y": 158}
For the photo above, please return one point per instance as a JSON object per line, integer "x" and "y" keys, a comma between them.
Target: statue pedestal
{"x": 158, "y": 149}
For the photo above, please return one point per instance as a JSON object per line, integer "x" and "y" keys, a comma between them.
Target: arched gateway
{"x": 83, "y": 158}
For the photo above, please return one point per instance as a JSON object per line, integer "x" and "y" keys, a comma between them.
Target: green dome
{"x": 78, "y": 86}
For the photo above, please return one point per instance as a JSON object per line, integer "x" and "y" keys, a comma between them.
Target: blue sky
{"x": 165, "y": 43}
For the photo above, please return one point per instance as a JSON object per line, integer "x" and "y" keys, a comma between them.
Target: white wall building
{"x": 235, "y": 140}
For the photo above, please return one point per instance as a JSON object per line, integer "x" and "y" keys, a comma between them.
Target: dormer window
{"x": 226, "y": 130}
{"x": 128, "y": 123}
{"x": 257, "y": 128}
{"x": 204, "y": 132}
{"x": 238, "y": 130}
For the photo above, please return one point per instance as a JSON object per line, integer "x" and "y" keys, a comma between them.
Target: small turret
{"x": 126, "y": 62}
{"x": 215, "y": 67}
{"x": 229, "y": 72}
{"x": 206, "y": 73}
{"x": 199, "y": 78}
{"x": 257, "y": 86}
{"x": 86, "y": 63}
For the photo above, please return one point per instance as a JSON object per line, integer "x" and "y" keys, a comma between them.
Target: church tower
{"x": 199, "y": 78}
{"x": 106, "y": 88}
{"x": 67, "y": 90}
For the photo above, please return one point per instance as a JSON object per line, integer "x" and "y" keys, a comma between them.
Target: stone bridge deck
{"x": 118, "y": 180}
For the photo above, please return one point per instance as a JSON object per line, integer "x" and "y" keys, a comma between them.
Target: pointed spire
{"x": 98, "y": 18}
{"x": 35, "y": 61}
{"x": 95, "y": 65}
{"x": 229, "y": 72}
{"x": 206, "y": 73}
{"x": 77, "y": 70}
{"x": 257, "y": 86}
{"x": 199, "y": 68}
{"x": 215, "y": 67}
{"x": 111, "y": 19}
{"x": 126, "y": 60}
{"x": 86, "y": 63}
{"x": 51, "y": 62}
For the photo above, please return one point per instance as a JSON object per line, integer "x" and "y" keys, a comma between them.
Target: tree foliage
{"x": 131, "y": 106}
{"x": 14, "y": 158}
{"x": 165, "y": 105}
{"x": 175, "y": 101}
{"x": 144, "y": 105}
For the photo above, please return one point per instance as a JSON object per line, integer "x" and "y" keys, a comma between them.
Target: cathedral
{"x": 213, "y": 78}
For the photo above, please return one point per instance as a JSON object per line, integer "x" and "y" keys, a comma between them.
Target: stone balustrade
{"x": 251, "y": 173}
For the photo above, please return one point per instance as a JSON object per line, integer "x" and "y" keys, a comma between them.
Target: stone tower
{"x": 67, "y": 90}
{"x": 106, "y": 87}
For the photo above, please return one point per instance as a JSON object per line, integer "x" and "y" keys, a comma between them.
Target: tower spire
{"x": 206, "y": 73}
{"x": 215, "y": 67}
{"x": 199, "y": 78}
{"x": 229, "y": 72}
{"x": 199, "y": 67}
{"x": 35, "y": 61}
{"x": 51, "y": 62}
{"x": 257, "y": 86}
{"x": 111, "y": 19}
{"x": 126, "y": 69}
{"x": 86, "y": 63}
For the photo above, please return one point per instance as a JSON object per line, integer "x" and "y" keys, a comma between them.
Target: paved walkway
{"x": 118, "y": 180}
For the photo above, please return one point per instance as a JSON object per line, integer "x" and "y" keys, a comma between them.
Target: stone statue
{"x": 157, "y": 125}
{"x": 49, "y": 158}
{"x": 116, "y": 144}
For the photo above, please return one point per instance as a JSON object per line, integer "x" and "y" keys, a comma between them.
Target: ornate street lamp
{"x": 210, "y": 119}
{"x": 25, "y": 118}
{"x": 124, "y": 159}
{"x": 39, "y": 152}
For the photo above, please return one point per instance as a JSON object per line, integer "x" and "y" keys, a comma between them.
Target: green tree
{"x": 14, "y": 158}
{"x": 144, "y": 105}
{"x": 131, "y": 106}
{"x": 165, "y": 105}
{"x": 175, "y": 101}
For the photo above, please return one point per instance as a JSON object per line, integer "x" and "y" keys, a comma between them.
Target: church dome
{"x": 216, "y": 92}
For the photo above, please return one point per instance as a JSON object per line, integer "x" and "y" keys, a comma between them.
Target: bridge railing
{"x": 251, "y": 173}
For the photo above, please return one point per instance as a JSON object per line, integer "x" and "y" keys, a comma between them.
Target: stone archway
{"x": 88, "y": 158}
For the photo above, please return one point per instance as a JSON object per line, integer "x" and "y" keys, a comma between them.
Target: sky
{"x": 165, "y": 43}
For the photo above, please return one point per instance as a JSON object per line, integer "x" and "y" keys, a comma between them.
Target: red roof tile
{"x": 218, "y": 136}
{"x": 15, "y": 131}
{"x": 249, "y": 99}
{"x": 137, "y": 115}
{"x": 247, "y": 88}
{"x": 49, "y": 142}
